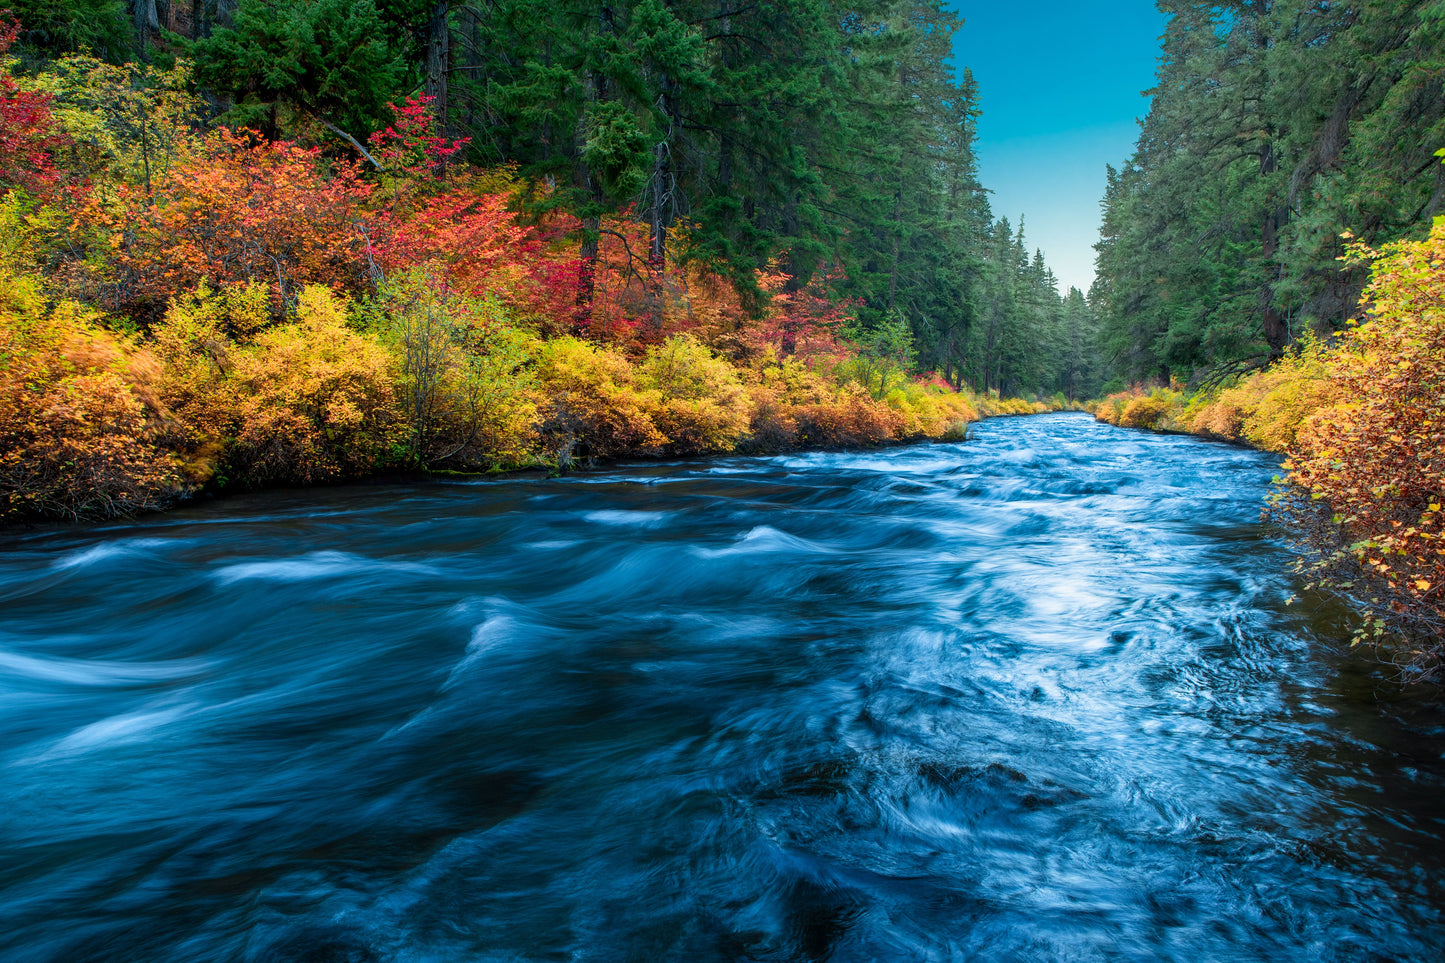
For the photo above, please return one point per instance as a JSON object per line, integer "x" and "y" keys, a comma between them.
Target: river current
{"x": 1034, "y": 696}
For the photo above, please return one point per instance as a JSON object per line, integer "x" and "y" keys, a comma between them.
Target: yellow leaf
{"x": 1422, "y": 585}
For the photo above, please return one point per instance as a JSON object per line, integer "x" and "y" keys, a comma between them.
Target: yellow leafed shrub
{"x": 77, "y": 414}
{"x": 315, "y": 399}
{"x": 1376, "y": 457}
{"x": 700, "y": 405}
{"x": 593, "y": 406}
{"x": 1269, "y": 407}
{"x": 1153, "y": 408}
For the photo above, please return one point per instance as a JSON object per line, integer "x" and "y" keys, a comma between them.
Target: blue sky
{"x": 1060, "y": 89}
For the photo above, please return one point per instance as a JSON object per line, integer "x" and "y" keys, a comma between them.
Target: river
{"x": 1035, "y": 696}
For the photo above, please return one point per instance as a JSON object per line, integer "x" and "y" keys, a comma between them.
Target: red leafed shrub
{"x": 479, "y": 247}
{"x": 242, "y": 210}
{"x": 410, "y": 145}
{"x": 806, "y": 322}
{"x": 28, "y": 137}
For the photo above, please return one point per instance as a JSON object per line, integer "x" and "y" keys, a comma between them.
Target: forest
{"x": 260, "y": 242}
{"x": 252, "y": 242}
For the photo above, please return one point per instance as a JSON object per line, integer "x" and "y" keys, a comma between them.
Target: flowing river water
{"x": 1036, "y": 696}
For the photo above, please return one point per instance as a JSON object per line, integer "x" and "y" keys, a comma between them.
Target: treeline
{"x": 241, "y": 245}
{"x": 1276, "y": 127}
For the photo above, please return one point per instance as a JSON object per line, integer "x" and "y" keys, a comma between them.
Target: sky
{"x": 1060, "y": 84}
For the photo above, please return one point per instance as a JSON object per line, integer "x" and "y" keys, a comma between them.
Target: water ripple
{"x": 1037, "y": 696}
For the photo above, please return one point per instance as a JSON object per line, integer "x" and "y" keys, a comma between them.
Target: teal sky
{"x": 1060, "y": 85}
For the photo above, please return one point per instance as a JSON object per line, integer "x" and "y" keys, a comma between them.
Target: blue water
{"x": 1036, "y": 696}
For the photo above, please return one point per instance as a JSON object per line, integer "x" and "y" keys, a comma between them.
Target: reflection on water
{"x": 1032, "y": 697}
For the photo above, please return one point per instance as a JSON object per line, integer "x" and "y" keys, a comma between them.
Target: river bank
{"x": 1361, "y": 421}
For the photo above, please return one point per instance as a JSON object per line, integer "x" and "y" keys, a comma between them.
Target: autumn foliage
{"x": 1372, "y": 465}
{"x": 29, "y": 139}
{"x": 240, "y": 210}
{"x": 293, "y": 317}
{"x": 79, "y": 418}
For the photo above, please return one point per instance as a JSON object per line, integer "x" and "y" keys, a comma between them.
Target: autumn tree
{"x": 242, "y": 209}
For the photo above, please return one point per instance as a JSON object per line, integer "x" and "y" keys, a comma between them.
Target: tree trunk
{"x": 1276, "y": 328}
{"x": 144, "y": 19}
{"x": 594, "y": 90}
{"x": 660, "y": 210}
{"x": 438, "y": 63}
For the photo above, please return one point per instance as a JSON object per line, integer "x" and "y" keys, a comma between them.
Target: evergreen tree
{"x": 1275, "y": 126}
{"x": 336, "y": 62}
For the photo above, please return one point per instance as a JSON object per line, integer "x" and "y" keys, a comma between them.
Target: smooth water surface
{"x": 1036, "y": 696}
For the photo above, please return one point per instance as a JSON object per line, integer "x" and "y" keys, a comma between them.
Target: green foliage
{"x": 464, "y": 377}
{"x": 1273, "y": 129}
{"x": 102, "y": 27}
{"x": 884, "y": 360}
{"x": 336, "y": 61}
{"x": 132, "y": 120}
{"x": 616, "y": 148}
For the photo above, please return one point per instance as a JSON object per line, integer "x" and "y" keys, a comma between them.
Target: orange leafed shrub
{"x": 1269, "y": 407}
{"x": 77, "y": 415}
{"x": 1377, "y": 458}
{"x": 849, "y": 419}
{"x": 1140, "y": 407}
{"x": 242, "y": 210}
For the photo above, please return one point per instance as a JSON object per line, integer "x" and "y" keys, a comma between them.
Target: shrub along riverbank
{"x": 217, "y": 392}
{"x": 1361, "y": 421}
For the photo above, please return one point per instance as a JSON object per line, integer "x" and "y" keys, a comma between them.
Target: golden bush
{"x": 78, "y": 417}
{"x": 593, "y": 407}
{"x": 697, "y": 400}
